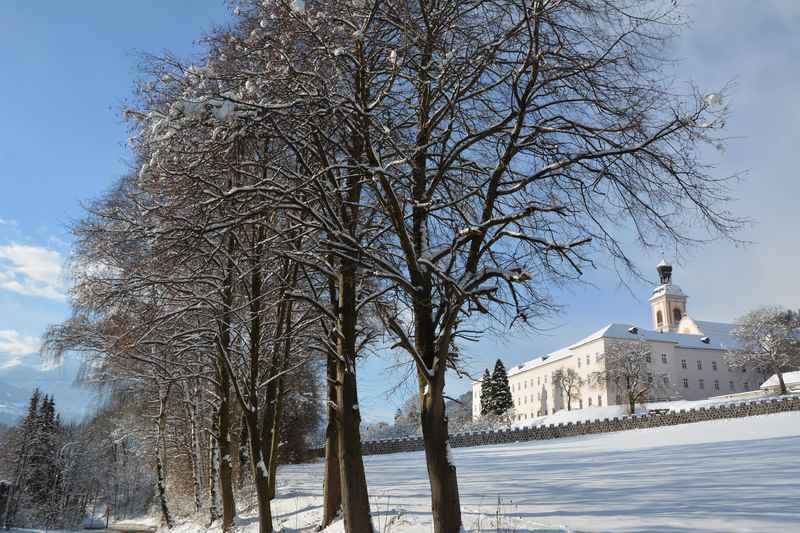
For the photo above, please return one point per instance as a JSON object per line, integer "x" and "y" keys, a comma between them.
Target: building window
{"x": 702, "y": 384}
{"x": 659, "y": 318}
{"x": 666, "y": 380}
{"x": 683, "y": 363}
{"x": 649, "y": 377}
{"x": 732, "y": 386}
{"x": 599, "y": 401}
{"x": 714, "y": 366}
{"x": 716, "y": 384}
{"x": 590, "y": 401}
{"x": 676, "y": 314}
{"x": 664, "y": 358}
{"x": 746, "y": 386}
{"x": 685, "y": 383}
{"x": 699, "y": 365}
{"x": 580, "y": 403}
{"x": 618, "y": 399}
{"x": 579, "y": 362}
{"x": 648, "y": 358}
{"x": 587, "y": 359}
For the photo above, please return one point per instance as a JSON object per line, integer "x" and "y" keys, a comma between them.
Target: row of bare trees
{"x": 335, "y": 171}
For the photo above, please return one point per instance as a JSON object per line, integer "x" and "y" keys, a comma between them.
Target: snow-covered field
{"x": 720, "y": 476}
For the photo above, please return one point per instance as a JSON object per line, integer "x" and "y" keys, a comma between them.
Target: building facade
{"x": 687, "y": 355}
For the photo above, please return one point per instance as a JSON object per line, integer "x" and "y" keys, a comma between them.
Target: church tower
{"x": 668, "y": 302}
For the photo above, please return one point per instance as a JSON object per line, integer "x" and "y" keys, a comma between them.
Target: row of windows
{"x": 701, "y": 383}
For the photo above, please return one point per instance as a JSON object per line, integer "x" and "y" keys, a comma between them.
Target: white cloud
{"x": 13, "y": 346}
{"x": 7, "y": 222}
{"x": 31, "y": 270}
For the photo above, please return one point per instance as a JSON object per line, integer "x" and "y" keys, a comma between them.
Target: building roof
{"x": 719, "y": 336}
{"x": 668, "y": 288}
{"x": 789, "y": 378}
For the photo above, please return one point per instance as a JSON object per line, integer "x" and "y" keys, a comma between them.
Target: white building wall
{"x": 534, "y": 393}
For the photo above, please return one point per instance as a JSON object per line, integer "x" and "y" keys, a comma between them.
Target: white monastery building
{"x": 687, "y": 354}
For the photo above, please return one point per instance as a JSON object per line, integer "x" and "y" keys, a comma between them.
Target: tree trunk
{"x": 197, "y": 474}
{"x": 332, "y": 499}
{"x": 225, "y": 466}
{"x": 214, "y": 477}
{"x": 275, "y": 442}
{"x": 445, "y": 502}
{"x": 781, "y": 382}
{"x": 260, "y": 474}
{"x": 355, "y": 499}
{"x": 161, "y": 423}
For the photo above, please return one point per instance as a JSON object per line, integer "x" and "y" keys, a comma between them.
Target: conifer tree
{"x": 486, "y": 393}
{"x": 502, "y": 402}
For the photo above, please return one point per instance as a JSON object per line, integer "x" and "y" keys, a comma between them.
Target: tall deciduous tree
{"x": 569, "y": 383}
{"x": 627, "y": 370}
{"x": 768, "y": 340}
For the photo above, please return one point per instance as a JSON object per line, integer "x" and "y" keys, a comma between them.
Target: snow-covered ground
{"x": 719, "y": 476}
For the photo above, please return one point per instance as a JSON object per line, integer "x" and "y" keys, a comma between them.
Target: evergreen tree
{"x": 502, "y": 402}
{"x": 486, "y": 392}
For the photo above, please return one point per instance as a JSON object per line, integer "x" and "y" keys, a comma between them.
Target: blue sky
{"x": 68, "y": 68}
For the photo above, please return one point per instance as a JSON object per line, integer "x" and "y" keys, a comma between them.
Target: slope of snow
{"x": 721, "y": 476}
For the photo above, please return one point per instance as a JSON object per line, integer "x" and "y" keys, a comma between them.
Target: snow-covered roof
{"x": 563, "y": 353}
{"x": 789, "y": 378}
{"x": 718, "y": 334}
{"x": 669, "y": 288}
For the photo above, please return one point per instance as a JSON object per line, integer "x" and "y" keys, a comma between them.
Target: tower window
{"x": 659, "y": 318}
{"x": 676, "y": 314}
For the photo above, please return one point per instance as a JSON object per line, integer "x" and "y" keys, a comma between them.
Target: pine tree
{"x": 502, "y": 402}
{"x": 486, "y": 392}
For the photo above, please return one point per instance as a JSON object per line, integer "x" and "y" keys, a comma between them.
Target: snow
{"x": 726, "y": 475}
{"x": 789, "y": 378}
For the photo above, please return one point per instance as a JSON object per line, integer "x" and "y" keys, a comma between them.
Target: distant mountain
{"x": 18, "y": 382}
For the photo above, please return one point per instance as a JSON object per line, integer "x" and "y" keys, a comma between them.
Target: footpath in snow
{"x": 730, "y": 476}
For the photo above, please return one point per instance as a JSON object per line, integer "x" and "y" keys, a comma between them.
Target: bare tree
{"x": 768, "y": 340}
{"x": 627, "y": 370}
{"x": 569, "y": 382}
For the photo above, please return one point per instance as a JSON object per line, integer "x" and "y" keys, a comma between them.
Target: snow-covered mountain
{"x": 18, "y": 382}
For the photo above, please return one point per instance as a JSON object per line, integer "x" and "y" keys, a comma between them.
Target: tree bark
{"x": 197, "y": 473}
{"x": 781, "y": 381}
{"x": 332, "y": 499}
{"x": 355, "y": 499}
{"x": 161, "y": 423}
{"x": 214, "y": 509}
{"x": 225, "y": 466}
{"x": 260, "y": 474}
{"x": 445, "y": 501}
